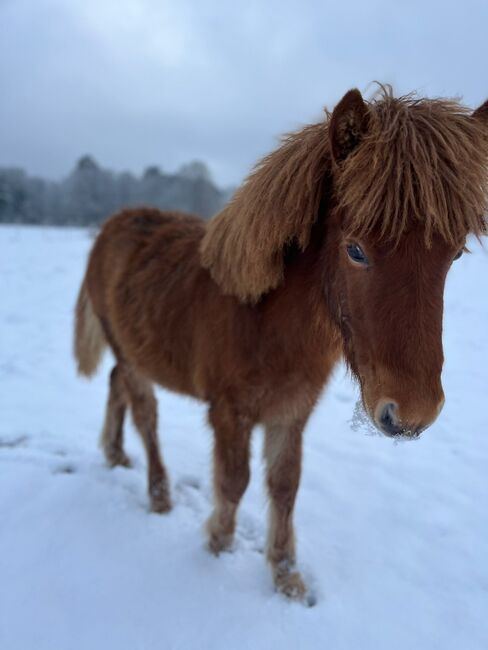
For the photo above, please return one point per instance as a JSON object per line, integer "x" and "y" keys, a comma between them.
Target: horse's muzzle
{"x": 387, "y": 420}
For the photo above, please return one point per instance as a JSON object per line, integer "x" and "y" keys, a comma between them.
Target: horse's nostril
{"x": 388, "y": 419}
{"x": 389, "y": 422}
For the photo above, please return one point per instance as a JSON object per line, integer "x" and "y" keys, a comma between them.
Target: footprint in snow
{"x": 188, "y": 492}
{"x": 65, "y": 469}
{"x": 13, "y": 442}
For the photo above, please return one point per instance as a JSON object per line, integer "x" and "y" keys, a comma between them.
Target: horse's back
{"x": 142, "y": 275}
{"x": 134, "y": 238}
{"x": 138, "y": 227}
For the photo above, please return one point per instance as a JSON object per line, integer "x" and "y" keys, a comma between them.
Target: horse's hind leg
{"x": 144, "y": 412}
{"x": 112, "y": 438}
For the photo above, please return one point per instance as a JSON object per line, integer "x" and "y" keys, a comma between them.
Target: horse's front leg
{"x": 283, "y": 454}
{"x": 231, "y": 471}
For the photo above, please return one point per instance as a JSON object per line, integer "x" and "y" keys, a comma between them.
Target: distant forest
{"x": 89, "y": 194}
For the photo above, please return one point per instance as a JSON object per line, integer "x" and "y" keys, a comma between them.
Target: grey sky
{"x": 139, "y": 82}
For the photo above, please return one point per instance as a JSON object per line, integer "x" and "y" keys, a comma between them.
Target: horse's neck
{"x": 301, "y": 298}
{"x": 298, "y": 335}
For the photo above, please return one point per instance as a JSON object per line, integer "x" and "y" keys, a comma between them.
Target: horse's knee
{"x": 283, "y": 494}
{"x": 144, "y": 410}
{"x": 232, "y": 433}
{"x": 233, "y": 481}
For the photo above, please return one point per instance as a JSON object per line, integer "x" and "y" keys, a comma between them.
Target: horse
{"x": 336, "y": 246}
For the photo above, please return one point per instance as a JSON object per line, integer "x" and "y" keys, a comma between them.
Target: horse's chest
{"x": 291, "y": 391}
{"x": 288, "y": 400}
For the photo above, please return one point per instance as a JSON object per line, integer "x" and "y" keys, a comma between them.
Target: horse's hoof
{"x": 218, "y": 540}
{"x": 218, "y": 544}
{"x": 160, "y": 505}
{"x": 160, "y": 499}
{"x": 117, "y": 458}
{"x": 292, "y": 586}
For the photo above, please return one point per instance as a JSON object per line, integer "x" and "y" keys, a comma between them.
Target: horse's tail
{"x": 90, "y": 341}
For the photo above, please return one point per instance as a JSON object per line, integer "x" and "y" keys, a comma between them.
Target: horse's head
{"x": 382, "y": 195}
{"x": 409, "y": 187}
{"x": 389, "y": 308}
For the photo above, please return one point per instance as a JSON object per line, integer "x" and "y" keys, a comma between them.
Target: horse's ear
{"x": 481, "y": 113}
{"x": 348, "y": 124}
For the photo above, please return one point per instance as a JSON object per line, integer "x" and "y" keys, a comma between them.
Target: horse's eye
{"x": 458, "y": 254}
{"x": 356, "y": 253}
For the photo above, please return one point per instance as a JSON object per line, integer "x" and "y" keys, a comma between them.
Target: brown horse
{"x": 337, "y": 246}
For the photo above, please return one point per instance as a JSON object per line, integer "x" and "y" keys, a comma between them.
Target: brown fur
{"x": 252, "y": 311}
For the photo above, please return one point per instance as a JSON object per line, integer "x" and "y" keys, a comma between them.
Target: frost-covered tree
{"x": 90, "y": 193}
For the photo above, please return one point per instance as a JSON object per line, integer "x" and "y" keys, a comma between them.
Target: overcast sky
{"x": 139, "y": 82}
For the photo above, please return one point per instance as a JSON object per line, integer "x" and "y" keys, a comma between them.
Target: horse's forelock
{"x": 424, "y": 160}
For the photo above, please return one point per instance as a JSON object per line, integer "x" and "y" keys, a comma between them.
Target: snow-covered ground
{"x": 392, "y": 537}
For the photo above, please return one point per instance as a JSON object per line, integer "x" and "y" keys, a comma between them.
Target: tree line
{"x": 90, "y": 193}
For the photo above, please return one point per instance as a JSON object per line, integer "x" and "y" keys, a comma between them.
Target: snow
{"x": 393, "y": 538}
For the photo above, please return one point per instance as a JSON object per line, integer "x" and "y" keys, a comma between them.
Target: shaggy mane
{"x": 420, "y": 159}
{"x": 277, "y": 204}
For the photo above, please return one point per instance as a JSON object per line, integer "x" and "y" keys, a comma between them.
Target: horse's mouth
{"x": 402, "y": 434}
